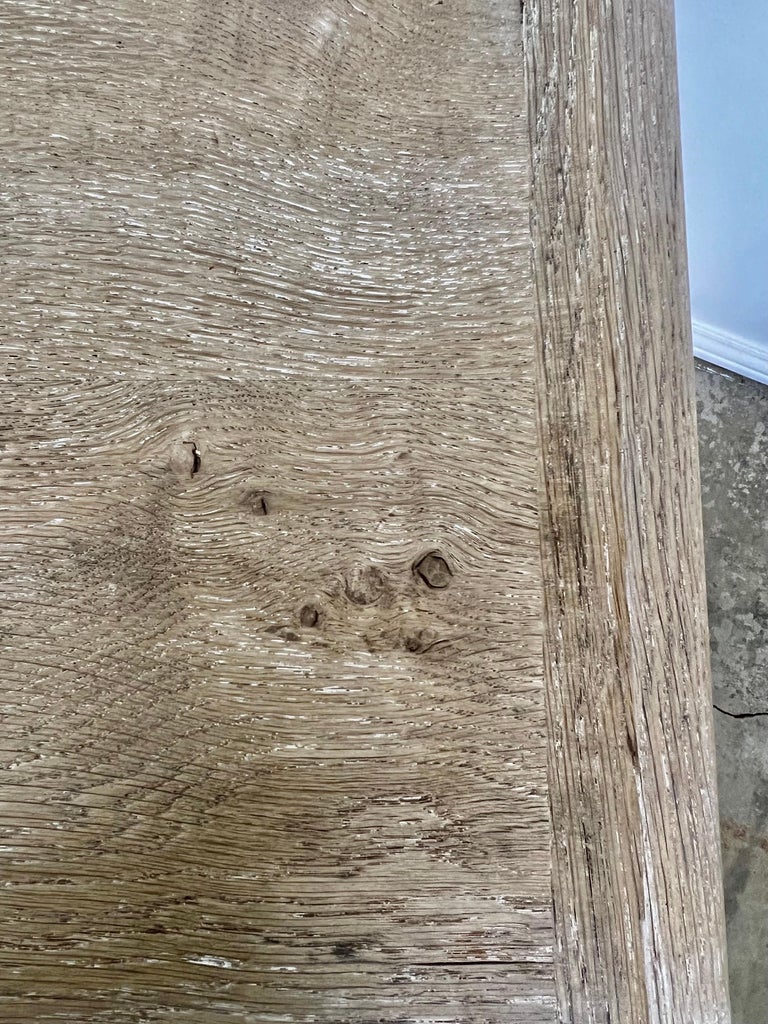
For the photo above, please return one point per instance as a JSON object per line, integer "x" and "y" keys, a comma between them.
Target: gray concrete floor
{"x": 733, "y": 441}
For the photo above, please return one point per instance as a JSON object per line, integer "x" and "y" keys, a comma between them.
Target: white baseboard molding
{"x": 730, "y": 351}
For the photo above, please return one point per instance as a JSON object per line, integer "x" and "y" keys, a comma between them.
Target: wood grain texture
{"x": 636, "y": 868}
{"x": 240, "y": 186}
{"x": 275, "y": 730}
{"x": 280, "y": 740}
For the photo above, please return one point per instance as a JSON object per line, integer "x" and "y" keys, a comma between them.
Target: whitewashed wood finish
{"x": 267, "y": 771}
{"x": 273, "y": 597}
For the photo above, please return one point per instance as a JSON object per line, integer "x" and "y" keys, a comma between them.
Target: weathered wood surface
{"x": 636, "y": 867}
{"x": 266, "y": 760}
{"x": 263, "y": 768}
{"x": 275, "y": 720}
{"x": 273, "y": 186}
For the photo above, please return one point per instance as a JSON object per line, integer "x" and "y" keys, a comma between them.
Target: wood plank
{"x": 273, "y": 186}
{"x": 636, "y": 870}
{"x": 276, "y": 729}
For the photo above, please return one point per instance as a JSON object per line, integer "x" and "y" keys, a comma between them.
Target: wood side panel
{"x": 637, "y": 888}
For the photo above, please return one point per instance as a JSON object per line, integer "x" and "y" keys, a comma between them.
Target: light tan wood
{"x": 282, "y": 740}
{"x": 636, "y": 866}
{"x": 266, "y": 731}
{"x": 259, "y": 743}
{"x": 281, "y": 187}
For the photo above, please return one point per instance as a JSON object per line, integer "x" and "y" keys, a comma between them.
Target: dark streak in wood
{"x": 196, "y": 458}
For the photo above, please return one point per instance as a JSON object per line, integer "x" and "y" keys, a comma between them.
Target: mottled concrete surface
{"x": 733, "y": 432}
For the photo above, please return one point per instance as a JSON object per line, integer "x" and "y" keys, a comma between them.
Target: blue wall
{"x": 723, "y": 69}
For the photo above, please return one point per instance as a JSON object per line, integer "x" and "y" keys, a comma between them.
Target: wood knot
{"x": 365, "y": 584}
{"x": 258, "y": 502}
{"x": 197, "y": 460}
{"x": 420, "y": 640}
{"x": 433, "y": 569}
{"x": 309, "y": 616}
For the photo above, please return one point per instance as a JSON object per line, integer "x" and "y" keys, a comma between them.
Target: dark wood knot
{"x": 345, "y": 950}
{"x": 309, "y": 616}
{"x": 258, "y": 502}
{"x": 420, "y": 640}
{"x": 433, "y": 569}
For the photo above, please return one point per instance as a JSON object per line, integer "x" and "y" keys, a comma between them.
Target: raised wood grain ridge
{"x": 636, "y": 864}
{"x": 280, "y": 741}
